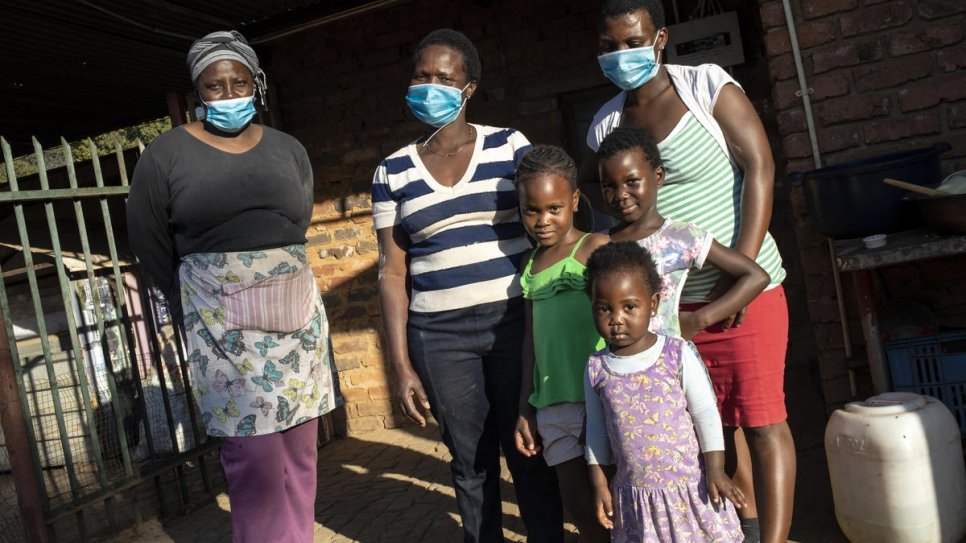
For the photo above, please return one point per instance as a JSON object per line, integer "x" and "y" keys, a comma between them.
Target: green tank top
{"x": 564, "y": 335}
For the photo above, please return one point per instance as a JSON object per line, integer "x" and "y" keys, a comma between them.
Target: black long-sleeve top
{"x": 188, "y": 197}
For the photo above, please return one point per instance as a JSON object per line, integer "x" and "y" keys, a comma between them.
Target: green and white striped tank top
{"x": 702, "y": 186}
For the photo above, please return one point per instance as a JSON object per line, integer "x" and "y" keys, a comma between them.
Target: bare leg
{"x": 773, "y": 459}
{"x": 578, "y": 499}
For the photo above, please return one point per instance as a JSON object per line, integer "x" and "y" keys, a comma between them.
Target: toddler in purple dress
{"x": 651, "y": 412}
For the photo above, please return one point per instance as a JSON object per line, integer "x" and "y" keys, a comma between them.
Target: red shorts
{"x": 747, "y": 363}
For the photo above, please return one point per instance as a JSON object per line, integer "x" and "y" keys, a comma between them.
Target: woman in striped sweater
{"x": 450, "y": 244}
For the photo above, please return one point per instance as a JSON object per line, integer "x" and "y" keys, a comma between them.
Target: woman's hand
{"x": 721, "y": 286}
{"x": 690, "y": 324}
{"x": 719, "y": 484}
{"x": 525, "y": 435}
{"x": 408, "y": 391}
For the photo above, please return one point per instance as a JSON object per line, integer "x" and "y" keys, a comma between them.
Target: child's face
{"x": 547, "y": 206}
{"x": 629, "y": 184}
{"x": 623, "y": 306}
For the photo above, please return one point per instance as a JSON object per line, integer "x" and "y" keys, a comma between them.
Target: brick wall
{"x": 887, "y": 76}
{"x": 340, "y": 92}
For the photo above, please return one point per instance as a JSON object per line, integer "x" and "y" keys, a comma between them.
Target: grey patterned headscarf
{"x": 225, "y": 45}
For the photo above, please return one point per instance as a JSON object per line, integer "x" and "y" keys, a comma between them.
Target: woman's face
{"x": 441, "y": 65}
{"x": 225, "y": 80}
{"x": 628, "y": 31}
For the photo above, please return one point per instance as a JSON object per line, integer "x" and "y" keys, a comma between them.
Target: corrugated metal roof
{"x": 78, "y": 68}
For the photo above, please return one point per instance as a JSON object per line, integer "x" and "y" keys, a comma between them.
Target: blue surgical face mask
{"x": 435, "y": 105}
{"x": 630, "y": 68}
{"x": 231, "y": 115}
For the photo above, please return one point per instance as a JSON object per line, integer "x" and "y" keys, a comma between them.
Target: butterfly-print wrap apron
{"x": 258, "y": 340}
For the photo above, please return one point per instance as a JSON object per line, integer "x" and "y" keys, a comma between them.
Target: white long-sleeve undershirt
{"x": 698, "y": 392}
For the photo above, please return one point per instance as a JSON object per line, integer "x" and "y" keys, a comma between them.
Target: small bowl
{"x": 874, "y": 242}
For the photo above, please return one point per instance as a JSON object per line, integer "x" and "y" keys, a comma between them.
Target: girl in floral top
{"x": 631, "y": 172}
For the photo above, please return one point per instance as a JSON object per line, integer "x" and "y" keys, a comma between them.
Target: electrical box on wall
{"x": 715, "y": 39}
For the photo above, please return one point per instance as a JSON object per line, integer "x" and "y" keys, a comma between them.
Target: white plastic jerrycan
{"x": 896, "y": 464}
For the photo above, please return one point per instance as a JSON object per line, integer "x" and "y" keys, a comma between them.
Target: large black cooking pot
{"x": 849, "y": 200}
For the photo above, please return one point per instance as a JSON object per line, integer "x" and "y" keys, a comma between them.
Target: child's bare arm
{"x": 719, "y": 484}
{"x": 525, "y": 434}
{"x": 600, "y": 481}
{"x": 749, "y": 280}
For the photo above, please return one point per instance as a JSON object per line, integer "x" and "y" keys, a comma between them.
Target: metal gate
{"x": 94, "y": 390}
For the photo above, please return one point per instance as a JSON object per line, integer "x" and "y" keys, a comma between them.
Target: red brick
{"x": 835, "y": 57}
{"x": 356, "y": 345}
{"x": 828, "y": 86}
{"x": 902, "y": 128}
{"x": 832, "y": 365}
{"x": 891, "y": 73}
{"x": 836, "y": 139}
{"x": 932, "y": 93}
{"x": 828, "y": 336}
{"x": 820, "y": 8}
{"x": 343, "y": 363}
{"x": 360, "y": 425}
{"x": 851, "y": 108}
{"x": 837, "y": 390}
{"x": 934, "y": 9}
{"x": 782, "y": 67}
{"x": 875, "y": 19}
{"x": 815, "y": 33}
{"x": 772, "y": 15}
{"x": 344, "y": 234}
{"x": 791, "y": 121}
{"x": 951, "y": 59}
{"x": 934, "y": 37}
{"x": 956, "y": 116}
{"x": 797, "y": 146}
{"x": 374, "y": 408}
{"x": 380, "y": 392}
{"x": 367, "y": 377}
{"x": 354, "y": 394}
{"x": 777, "y": 42}
{"x": 784, "y": 94}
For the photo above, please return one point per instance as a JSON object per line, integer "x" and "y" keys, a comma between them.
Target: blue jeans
{"x": 469, "y": 363}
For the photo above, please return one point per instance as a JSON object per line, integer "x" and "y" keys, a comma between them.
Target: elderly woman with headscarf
{"x": 217, "y": 215}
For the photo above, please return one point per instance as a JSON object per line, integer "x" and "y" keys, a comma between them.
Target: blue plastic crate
{"x": 934, "y": 366}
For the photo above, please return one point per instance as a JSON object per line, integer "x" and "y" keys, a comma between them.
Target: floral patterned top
{"x": 677, "y": 248}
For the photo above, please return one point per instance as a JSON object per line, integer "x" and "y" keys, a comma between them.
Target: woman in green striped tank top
{"x": 720, "y": 176}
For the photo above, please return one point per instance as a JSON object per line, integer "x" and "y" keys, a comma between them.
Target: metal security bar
{"x": 95, "y": 373}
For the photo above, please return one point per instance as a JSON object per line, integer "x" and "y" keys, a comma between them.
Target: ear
{"x": 576, "y": 199}
{"x": 470, "y": 89}
{"x": 661, "y": 44}
{"x": 655, "y": 303}
{"x": 659, "y": 172}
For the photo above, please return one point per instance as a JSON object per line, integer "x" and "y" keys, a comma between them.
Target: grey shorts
{"x": 561, "y": 429}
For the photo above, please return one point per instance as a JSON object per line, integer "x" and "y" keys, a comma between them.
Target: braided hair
{"x": 547, "y": 159}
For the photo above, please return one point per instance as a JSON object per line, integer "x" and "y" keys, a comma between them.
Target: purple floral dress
{"x": 659, "y": 490}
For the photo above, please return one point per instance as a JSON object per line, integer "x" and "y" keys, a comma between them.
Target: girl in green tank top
{"x": 560, "y": 333}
